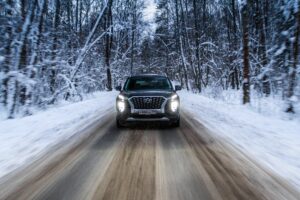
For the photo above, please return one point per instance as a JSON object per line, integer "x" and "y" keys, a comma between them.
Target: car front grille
{"x": 147, "y": 102}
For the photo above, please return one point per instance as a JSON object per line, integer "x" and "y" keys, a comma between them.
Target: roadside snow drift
{"x": 272, "y": 140}
{"x": 25, "y": 139}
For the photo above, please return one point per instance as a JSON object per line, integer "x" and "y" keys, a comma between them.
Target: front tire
{"x": 119, "y": 124}
{"x": 176, "y": 123}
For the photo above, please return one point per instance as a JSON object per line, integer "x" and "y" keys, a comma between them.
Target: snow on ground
{"x": 262, "y": 130}
{"x": 273, "y": 140}
{"x": 24, "y": 139}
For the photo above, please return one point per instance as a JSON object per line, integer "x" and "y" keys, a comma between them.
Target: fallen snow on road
{"x": 25, "y": 139}
{"x": 272, "y": 140}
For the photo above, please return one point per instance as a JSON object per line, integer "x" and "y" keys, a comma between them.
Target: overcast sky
{"x": 149, "y": 12}
{"x": 149, "y": 15}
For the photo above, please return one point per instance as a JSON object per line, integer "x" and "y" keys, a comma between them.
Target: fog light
{"x": 121, "y": 106}
{"x": 174, "y": 105}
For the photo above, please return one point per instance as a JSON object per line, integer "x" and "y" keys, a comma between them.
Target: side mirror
{"x": 118, "y": 88}
{"x": 177, "y": 87}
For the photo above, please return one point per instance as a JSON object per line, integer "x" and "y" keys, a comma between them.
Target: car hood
{"x": 163, "y": 93}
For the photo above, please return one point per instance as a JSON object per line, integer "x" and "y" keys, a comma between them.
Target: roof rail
{"x": 150, "y": 74}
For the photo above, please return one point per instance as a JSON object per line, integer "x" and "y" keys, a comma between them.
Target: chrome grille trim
{"x": 156, "y": 109}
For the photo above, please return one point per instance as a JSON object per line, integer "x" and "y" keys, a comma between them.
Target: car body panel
{"x": 161, "y": 99}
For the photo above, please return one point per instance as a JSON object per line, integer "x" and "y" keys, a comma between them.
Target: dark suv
{"x": 148, "y": 97}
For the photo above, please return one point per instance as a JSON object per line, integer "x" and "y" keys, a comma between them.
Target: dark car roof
{"x": 147, "y": 75}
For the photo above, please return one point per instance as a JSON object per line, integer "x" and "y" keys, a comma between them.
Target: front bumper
{"x": 162, "y": 119}
{"x": 163, "y": 114}
{"x": 131, "y": 117}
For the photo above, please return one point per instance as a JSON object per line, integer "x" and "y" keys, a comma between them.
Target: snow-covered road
{"x": 151, "y": 162}
{"x": 248, "y": 136}
{"x": 273, "y": 141}
{"x": 24, "y": 140}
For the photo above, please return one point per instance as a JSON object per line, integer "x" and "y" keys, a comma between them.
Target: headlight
{"x": 121, "y": 106}
{"x": 174, "y": 105}
{"x": 121, "y": 103}
{"x": 174, "y": 96}
{"x": 121, "y": 97}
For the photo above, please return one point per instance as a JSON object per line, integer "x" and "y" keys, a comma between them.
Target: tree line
{"x": 62, "y": 49}
{"x": 246, "y": 44}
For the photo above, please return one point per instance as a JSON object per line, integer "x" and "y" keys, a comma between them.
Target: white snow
{"x": 23, "y": 140}
{"x": 149, "y": 10}
{"x": 281, "y": 50}
{"x": 2, "y": 58}
{"x": 261, "y": 129}
{"x": 271, "y": 138}
{"x": 149, "y": 16}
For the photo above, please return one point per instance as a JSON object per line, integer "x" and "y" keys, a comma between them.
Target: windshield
{"x": 148, "y": 83}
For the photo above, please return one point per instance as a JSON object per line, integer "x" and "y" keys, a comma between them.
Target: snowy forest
{"x": 52, "y": 50}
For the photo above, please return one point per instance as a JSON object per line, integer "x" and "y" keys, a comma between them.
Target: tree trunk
{"x": 23, "y": 57}
{"x": 33, "y": 68}
{"x": 293, "y": 71}
{"x": 133, "y": 27}
{"x": 262, "y": 51}
{"x": 54, "y": 47}
{"x": 197, "y": 42}
{"x": 7, "y": 63}
{"x": 19, "y": 43}
{"x": 246, "y": 70}
{"x": 108, "y": 45}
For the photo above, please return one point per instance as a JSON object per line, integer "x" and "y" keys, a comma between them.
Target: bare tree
{"x": 246, "y": 69}
{"x": 293, "y": 70}
{"x": 109, "y": 38}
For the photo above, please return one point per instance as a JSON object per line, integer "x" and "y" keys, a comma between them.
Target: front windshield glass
{"x": 148, "y": 83}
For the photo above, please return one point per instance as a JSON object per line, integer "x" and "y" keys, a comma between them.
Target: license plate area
{"x": 148, "y": 111}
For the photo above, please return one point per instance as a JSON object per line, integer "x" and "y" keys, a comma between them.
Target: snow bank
{"x": 23, "y": 140}
{"x": 272, "y": 140}
{"x": 272, "y": 106}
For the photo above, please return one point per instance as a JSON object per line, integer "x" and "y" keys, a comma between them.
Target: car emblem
{"x": 147, "y": 100}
